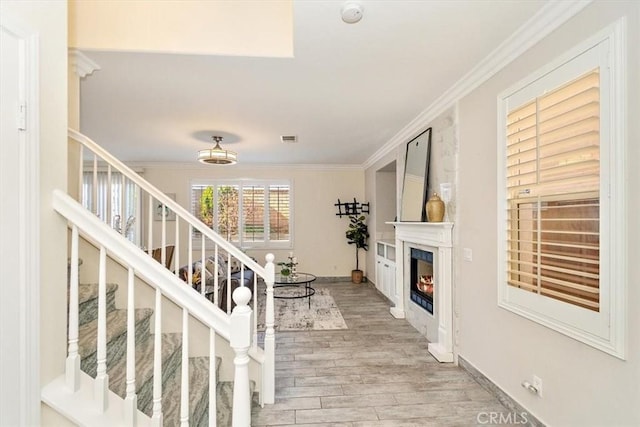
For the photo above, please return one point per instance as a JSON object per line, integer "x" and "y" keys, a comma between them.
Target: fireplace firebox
{"x": 422, "y": 280}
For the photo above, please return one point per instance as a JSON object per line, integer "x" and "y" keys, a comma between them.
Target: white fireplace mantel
{"x": 439, "y": 236}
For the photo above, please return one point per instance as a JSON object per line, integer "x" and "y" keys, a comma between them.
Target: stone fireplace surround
{"x": 435, "y": 236}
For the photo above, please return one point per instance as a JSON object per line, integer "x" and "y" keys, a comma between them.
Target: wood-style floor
{"x": 376, "y": 373}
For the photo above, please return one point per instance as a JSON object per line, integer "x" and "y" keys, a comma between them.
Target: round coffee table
{"x": 295, "y": 281}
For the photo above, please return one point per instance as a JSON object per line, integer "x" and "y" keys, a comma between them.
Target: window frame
{"x": 267, "y": 243}
{"x": 605, "y": 330}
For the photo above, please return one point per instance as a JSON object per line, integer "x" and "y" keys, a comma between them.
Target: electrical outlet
{"x": 537, "y": 383}
{"x": 467, "y": 254}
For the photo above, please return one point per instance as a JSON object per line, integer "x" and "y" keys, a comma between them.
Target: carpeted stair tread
{"x": 89, "y": 291}
{"x": 171, "y": 344}
{"x": 198, "y": 393}
{"x": 116, "y": 337}
{"x": 88, "y": 301}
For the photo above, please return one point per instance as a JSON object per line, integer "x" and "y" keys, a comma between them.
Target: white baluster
{"x": 131, "y": 399}
{"x": 81, "y": 196}
{"x": 213, "y": 378}
{"x": 101, "y": 394}
{"x": 94, "y": 193}
{"x": 109, "y": 218}
{"x": 150, "y": 227}
{"x": 184, "y": 385}
{"x": 73, "y": 357}
{"x": 255, "y": 312}
{"x": 123, "y": 218}
{"x": 269, "y": 372}
{"x": 190, "y": 257}
{"x": 229, "y": 283}
{"x": 203, "y": 270}
{"x": 163, "y": 249}
{"x": 240, "y": 342}
{"x": 156, "y": 417}
{"x": 176, "y": 249}
{"x": 216, "y": 275}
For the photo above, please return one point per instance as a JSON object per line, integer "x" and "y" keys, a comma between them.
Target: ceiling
{"x": 346, "y": 92}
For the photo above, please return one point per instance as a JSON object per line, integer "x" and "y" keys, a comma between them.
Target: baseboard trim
{"x": 499, "y": 394}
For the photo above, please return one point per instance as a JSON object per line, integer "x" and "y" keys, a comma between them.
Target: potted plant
{"x": 357, "y": 235}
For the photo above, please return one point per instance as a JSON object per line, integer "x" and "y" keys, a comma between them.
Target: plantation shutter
{"x": 228, "y": 212}
{"x": 253, "y": 213}
{"x": 279, "y": 212}
{"x": 553, "y": 193}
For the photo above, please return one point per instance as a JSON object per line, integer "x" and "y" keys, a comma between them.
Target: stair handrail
{"x": 172, "y": 204}
{"x": 146, "y": 267}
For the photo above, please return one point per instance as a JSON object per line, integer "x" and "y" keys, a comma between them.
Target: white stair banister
{"x": 73, "y": 358}
{"x": 102, "y": 378}
{"x": 131, "y": 399}
{"x": 240, "y": 340}
{"x": 156, "y": 416}
{"x": 269, "y": 335}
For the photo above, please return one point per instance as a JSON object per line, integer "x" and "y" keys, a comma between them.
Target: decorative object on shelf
{"x": 216, "y": 155}
{"x": 351, "y": 208}
{"x": 357, "y": 235}
{"x": 435, "y": 208}
{"x": 416, "y": 178}
{"x": 289, "y": 268}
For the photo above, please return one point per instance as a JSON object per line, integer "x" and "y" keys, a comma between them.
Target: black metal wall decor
{"x": 351, "y": 208}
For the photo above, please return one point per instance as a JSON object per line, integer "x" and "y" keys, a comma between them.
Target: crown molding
{"x": 244, "y": 166}
{"x": 82, "y": 65}
{"x": 551, "y": 16}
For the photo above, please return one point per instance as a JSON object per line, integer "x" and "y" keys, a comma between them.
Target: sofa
{"x": 237, "y": 278}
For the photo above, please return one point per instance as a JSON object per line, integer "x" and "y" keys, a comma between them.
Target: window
{"x": 560, "y": 191}
{"x": 124, "y": 201}
{"x": 249, "y": 214}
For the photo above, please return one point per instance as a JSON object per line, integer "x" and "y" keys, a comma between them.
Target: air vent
{"x": 288, "y": 139}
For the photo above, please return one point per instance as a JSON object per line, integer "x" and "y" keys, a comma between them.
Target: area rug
{"x": 295, "y": 314}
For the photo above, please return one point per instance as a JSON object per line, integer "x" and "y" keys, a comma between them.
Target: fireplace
{"x": 422, "y": 282}
{"x": 435, "y": 239}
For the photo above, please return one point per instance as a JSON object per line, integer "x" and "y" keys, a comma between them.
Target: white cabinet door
{"x": 379, "y": 273}
{"x": 389, "y": 280}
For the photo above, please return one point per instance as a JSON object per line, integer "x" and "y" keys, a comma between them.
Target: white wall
{"x": 49, "y": 20}
{"x": 582, "y": 386}
{"x": 319, "y": 235}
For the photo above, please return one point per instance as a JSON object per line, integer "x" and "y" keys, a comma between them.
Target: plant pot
{"x": 356, "y": 276}
{"x": 285, "y": 272}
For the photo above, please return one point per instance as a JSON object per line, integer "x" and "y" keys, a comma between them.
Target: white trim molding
{"x": 551, "y": 16}
{"x": 28, "y": 183}
{"x": 81, "y": 64}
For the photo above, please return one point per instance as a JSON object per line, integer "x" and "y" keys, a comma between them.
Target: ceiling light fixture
{"x": 216, "y": 155}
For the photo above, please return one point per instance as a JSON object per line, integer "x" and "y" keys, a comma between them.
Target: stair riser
{"x": 117, "y": 347}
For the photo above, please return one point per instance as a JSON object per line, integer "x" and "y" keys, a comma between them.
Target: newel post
{"x": 269, "y": 371}
{"x": 241, "y": 324}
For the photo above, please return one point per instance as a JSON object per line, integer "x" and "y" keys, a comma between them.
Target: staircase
{"x": 129, "y": 359}
{"x": 171, "y": 361}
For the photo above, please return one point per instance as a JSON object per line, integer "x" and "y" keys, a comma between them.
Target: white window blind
{"x": 252, "y": 214}
{"x": 553, "y": 184}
